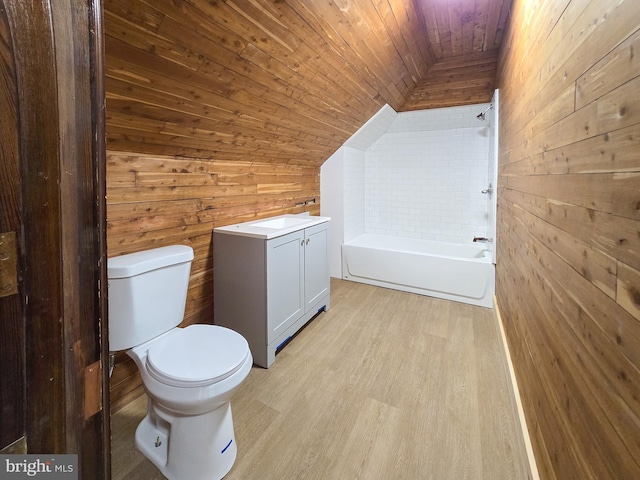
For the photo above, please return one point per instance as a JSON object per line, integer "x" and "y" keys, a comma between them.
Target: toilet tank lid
{"x": 133, "y": 264}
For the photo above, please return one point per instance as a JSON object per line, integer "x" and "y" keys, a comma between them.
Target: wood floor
{"x": 386, "y": 385}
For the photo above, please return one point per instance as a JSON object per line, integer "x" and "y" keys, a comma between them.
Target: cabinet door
{"x": 285, "y": 282}
{"x": 316, "y": 278}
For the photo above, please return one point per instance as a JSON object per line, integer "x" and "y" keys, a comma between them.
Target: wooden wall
{"x": 568, "y": 271}
{"x": 52, "y": 169}
{"x": 155, "y": 201}
{"x": 465, "y": 37}
{"x": 280, "y": 82}
{"x": 220, "y": 112}
{"x": 462, "y": 80}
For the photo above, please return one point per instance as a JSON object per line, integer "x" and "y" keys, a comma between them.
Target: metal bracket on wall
{"x": 8, "y": 264}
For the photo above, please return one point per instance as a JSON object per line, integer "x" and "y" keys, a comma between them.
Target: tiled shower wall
{"x": 423, "y": 178}
{"x": 353, "y": 193}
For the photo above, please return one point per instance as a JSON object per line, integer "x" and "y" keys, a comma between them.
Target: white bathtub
{"x": 459, "y": 272}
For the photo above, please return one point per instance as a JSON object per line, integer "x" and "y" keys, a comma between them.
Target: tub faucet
{"x": 488, "y": 191}
{"x": 483, "y": 239}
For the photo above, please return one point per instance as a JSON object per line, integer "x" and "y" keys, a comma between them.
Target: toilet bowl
{"x": 189, "y": 374}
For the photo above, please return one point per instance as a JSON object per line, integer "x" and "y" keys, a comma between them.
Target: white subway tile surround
{"x": 354, "y": 187}
{"x": 423, "y": 178}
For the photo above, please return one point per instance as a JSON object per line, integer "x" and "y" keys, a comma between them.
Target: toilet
{"x": 189, "y": 374}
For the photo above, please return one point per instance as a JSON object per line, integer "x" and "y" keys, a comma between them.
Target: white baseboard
{"x": 530, "y": 458}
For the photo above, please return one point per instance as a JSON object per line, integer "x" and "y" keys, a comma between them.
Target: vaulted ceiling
{"x": 286, "y": 81}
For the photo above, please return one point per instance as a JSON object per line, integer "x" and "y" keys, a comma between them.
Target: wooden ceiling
{"x": 464, "y": 27}
{"x": 286, "y": 81}
{"x": 464, "y": 37}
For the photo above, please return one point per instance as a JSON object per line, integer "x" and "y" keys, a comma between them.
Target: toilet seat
{"x": 196, "y": 356}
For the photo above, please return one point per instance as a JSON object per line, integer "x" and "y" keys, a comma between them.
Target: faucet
{"x": 483, "y": 239}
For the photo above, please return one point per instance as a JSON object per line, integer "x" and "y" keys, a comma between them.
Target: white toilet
{"x": 189, "y": 374}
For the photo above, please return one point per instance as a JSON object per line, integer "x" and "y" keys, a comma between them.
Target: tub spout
{"x": 488, "y": 191}
{"x": 483, "y": 239}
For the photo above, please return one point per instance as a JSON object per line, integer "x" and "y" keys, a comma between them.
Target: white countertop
{"x": 272, "y": 227}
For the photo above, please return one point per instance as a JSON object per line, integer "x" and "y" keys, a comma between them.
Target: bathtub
{"x": 459, "y": 272}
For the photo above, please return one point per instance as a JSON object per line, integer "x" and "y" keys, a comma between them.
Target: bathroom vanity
{"x": 271, "y": 277}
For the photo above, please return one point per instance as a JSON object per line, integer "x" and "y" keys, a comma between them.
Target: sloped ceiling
{"x": 464, "y": 27}
{"x": 286, "y": 81}
{"x": 465, "y": 38}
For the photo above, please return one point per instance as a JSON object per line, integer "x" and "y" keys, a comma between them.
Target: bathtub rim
{"x": 484, "y": 252}
{"x": 486, "y": 300}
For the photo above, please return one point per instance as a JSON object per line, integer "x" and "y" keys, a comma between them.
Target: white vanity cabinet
{"x": 268, "y": 286}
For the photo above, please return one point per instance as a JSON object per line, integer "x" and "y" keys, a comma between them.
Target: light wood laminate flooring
{"x": 386, "y": 385}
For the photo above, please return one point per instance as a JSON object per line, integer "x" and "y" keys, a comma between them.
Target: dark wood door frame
{"x": 12, "y": 346}
{"x": 58, "y": 50}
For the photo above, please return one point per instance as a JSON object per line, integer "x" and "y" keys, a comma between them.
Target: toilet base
{"x": 194, "y": 447}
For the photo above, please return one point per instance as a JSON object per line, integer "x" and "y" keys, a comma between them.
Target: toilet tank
{"x": 147, "y": 294}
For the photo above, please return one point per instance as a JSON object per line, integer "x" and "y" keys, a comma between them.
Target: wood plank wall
{"x": 568, "y": 271}
{"x": 52, "y": 180}
{"x": 462, "y": 80}
{"x": 221, "y": 112}
{"x": 457, "y": 28}
{"x": 282, "y": 82}
{"x": 465, "y": 37}
{"x": 155, "y": 201}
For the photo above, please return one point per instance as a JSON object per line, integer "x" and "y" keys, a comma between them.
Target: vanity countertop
{"x": 272, "y": 227}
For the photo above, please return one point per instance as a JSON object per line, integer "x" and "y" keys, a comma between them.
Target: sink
{"x": 272, "y": 227}
{"x": 282, "y": 222}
